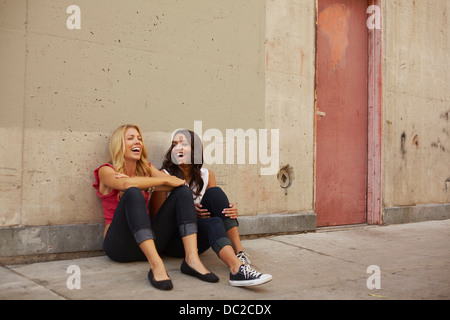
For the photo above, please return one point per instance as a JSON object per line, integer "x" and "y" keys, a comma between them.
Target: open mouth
{"x": 136, "y": 149}
{"x": 180, "y": 155}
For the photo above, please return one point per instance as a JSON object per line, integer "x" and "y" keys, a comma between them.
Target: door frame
{"x": 375, "y": 121}
{"x": 374, "y": 117}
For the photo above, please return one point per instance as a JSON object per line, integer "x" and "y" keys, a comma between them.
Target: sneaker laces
{"x": 244, "y": 257}
{"x": 249, "y": 272}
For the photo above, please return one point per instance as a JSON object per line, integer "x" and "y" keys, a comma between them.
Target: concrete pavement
{"x": 413, "y": 261}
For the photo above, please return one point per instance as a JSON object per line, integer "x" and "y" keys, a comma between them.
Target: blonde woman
{"x": 125, "y": 186}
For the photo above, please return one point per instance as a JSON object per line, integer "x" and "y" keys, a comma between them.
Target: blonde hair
{"x": 117, "y": 150}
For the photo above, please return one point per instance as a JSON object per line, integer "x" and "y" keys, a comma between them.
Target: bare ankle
{"x": 196, "y": 264}
{"x": 159, "y": 271}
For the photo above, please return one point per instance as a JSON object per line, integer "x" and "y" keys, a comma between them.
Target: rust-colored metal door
{"x": 341, "y": 113}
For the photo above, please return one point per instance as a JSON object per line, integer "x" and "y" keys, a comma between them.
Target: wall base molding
{"x": 419, "y": 213}
{"x": 41, "y": 243}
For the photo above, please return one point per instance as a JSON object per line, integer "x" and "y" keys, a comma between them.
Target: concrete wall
{"x": 161, "y": 64}
{"x": 416, "y": 108}
{"x": 289, "y": 102}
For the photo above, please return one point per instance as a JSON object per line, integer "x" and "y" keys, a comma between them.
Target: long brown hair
{"x": 117, "y": 150}
{"x": 171, "y": 165}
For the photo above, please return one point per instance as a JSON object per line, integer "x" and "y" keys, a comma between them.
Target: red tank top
{"x": 111, "y": 200}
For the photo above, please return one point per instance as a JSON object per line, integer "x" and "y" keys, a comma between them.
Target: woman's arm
{"x": 211, "y": 180}
{"x": 112, "y": 181}
{"x": 161, "y": 174}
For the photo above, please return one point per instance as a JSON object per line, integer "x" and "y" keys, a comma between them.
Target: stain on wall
{"x": 333, "y": 22}
{"x": 415, "y": 103}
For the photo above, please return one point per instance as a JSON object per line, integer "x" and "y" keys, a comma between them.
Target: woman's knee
{"x": 215, "y": 200}
{"x": 133, "y": 192}
{"x": 182, "y": 191}
{"x": 216, "y": 195}
{"x": 215, "y": 192}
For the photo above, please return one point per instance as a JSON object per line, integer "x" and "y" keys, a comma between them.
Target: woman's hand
{"x": 201, "y": 213}
{"x": 173, "y": 181}
{"x": 231, "y": 212}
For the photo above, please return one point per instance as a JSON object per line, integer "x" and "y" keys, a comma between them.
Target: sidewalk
{"x": 414, "y": 263}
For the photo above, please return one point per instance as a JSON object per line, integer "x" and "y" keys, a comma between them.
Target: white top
{"x": 205, "y": 176}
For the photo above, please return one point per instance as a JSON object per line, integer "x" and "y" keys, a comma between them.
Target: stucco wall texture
{"x": 161, "y": 65}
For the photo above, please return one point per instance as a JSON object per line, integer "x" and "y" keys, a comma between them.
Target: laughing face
{"x": 181, "y": 149}
{"x": 133, "y": 144}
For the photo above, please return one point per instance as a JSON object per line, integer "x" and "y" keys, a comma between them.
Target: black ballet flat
{"x": 161, "y": 285}
{"x": 208, "y": 277}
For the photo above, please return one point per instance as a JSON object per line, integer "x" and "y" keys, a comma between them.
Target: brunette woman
{"x": 217, "y": 218}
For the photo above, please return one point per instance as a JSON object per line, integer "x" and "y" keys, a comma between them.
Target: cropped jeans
{"x": 212, "y": 231}
{"x": 131, "y": 225}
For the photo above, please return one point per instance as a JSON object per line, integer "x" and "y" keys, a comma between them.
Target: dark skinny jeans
{"x": 131, "y": 225}
{"x": 212, "y": 231}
